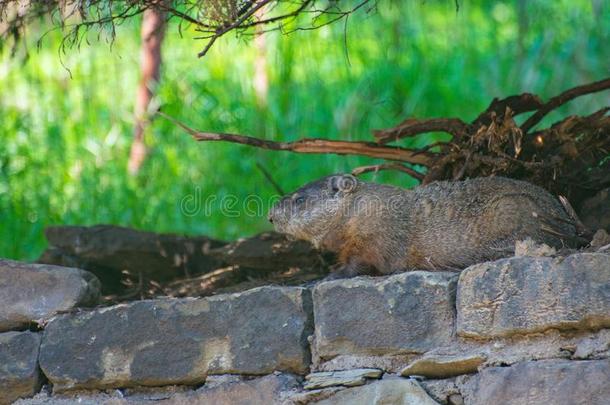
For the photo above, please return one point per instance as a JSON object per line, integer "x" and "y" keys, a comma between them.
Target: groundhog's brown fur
{"x": 444, "y": 225}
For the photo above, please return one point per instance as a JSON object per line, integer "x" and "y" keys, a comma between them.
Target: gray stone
{"x": 19, "y": 372}
{"x": 107, "y": 397}
{"x": 439, "y": 366}
{"x": 214, "y": 380}
{"x": 268, "y": 390}
{"x": 557, "y": 382}
{"x": 81, "y": 398}
{"x": 594, "y": 346}
{"x": 110, "y": 251}
{"x": 406, "y": 313}
{"x": 441, "y": 390}
{"x": 388, "y": 363}
{"x": 455, "y": 399}
{"x": 311, "y": 396}
{"x": 271, "y": 389}
{"x": 180, "y": 341}
{"x": 395, "y": 391}
{"x": 348, "y": 378}
{"x": 524, "y": 295}
{"x": 551, "y": 344}
{"x": 33, "y": 292}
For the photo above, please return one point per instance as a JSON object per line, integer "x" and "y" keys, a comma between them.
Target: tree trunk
{"x": 153, "y": 28}
{"x": 261, "y": 80}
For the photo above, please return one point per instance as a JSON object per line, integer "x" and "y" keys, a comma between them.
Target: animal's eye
{"x": 299, "y": 200}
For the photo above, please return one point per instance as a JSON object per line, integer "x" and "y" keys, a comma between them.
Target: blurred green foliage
{"x": 65, "y": 134}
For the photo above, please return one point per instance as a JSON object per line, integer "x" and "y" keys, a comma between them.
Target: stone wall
{"x": 521, "y": 330}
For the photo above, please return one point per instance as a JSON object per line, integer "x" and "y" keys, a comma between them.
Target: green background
{"x": 66, "y": 134}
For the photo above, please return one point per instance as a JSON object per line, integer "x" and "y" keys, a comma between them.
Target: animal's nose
{"x": 270, "y": 217}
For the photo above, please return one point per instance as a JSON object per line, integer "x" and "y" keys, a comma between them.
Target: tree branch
{"x": 562, "y": 99}
{"x": 286, "y": 16}
{"x": 388, "y": 166}
{"x": 270, "y": 178}
{"x": 212, "y": 19}
{"x": 314, "y": 145}
{"x": 246, "y": 13}
{"x": 412, "y": 126}
{"x": 518, "y": 104}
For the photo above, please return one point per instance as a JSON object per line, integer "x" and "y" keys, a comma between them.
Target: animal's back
{"x": 456, "y": 224}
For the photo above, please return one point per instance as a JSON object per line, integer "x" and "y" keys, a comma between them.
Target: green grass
{"x": 65, "y": 135}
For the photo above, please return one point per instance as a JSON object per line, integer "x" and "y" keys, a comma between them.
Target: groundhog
{"x": 376, "y": 228}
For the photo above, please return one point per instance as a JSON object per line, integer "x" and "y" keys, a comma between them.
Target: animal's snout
{"x": 277, "y": 213}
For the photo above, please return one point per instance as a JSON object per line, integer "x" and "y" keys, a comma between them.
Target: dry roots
{"x": 571, "y": 157}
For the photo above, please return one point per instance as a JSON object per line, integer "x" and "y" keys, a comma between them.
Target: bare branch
{"x": 282, "y": 17}
{"x": 518, "y": 104}
{"x": 212, "y": 18}
{"x": 562, "y": 99}
{"x": 314, "y": 145}
{"x": 388, "y": 166}
{"x": 411, "y": 127}
{"x": 247, "y": 12}
{"x": 270, "y": 178}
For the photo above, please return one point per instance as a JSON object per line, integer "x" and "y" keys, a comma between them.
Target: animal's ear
{"x": 342, "y": 183}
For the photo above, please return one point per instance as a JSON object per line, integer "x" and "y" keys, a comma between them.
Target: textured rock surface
{"x": 180, "y": 341}
{"x": 19, "y": 372}
{"x": 436, "y": 366}
{"x": 270, "y": 250}
{"x": 388, "y": 363}
{"x": 406, "y": 313}
{"x": 552, "y": 344}
{"x": 525, "y": 295}
{"x": 393, "y": 390}
{"x": 108, "y": 250}
{"x": 540, "y": 326}
{"x": 442, "y": 390}
{"x": 271, "y": 389}
{"x": 557, "y": 382}
{"x": 592, "y": 346}
{"x": 31, "y": 292}
{"x": 348, "y": 378}
{"x": 268, "y": 390}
